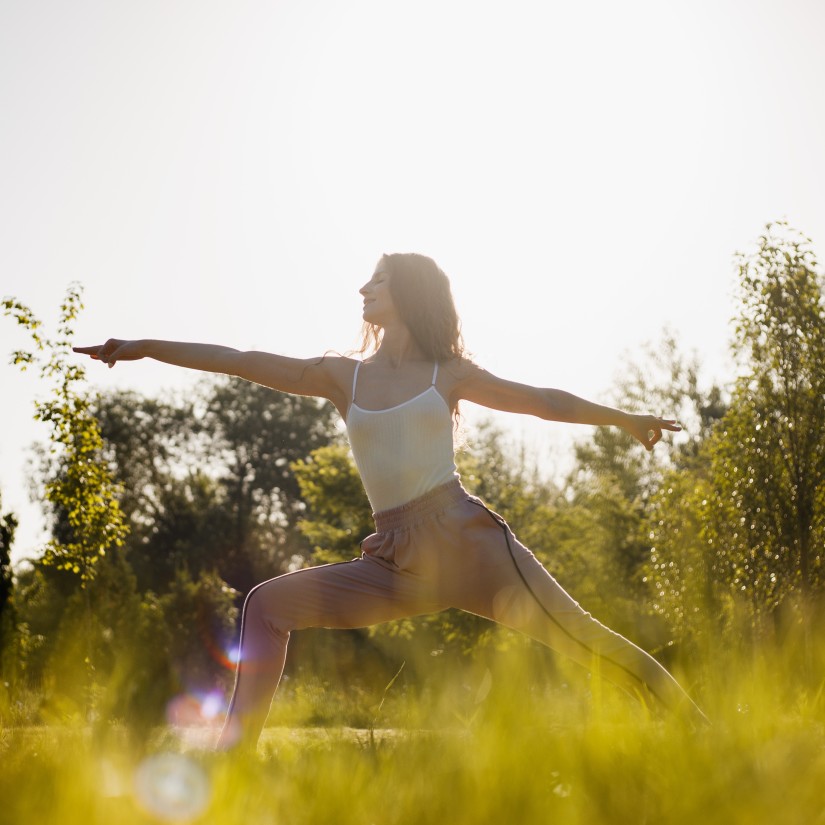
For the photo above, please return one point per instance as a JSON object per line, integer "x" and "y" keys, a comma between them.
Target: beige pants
{"x": 445, "y": 549}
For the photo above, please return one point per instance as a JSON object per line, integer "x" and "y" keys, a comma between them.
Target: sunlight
{"x": 579, "y": 170}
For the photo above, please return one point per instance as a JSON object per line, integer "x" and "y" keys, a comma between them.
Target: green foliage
{"x": 338, "y": 514}
{"x": 205, "y": 496}
{"x": 768, "y": 454}
{"x": 688, "y": 592}
{"x": 663, "y": 382}
{"x": 741, "y": 526}
{"x": 81, "y": 492}
{"x": 191, "y": 532}
{"x": 145, "y": 648}
{"x": 199, "y": 616}
{"x": 41, "y": 593}
{"x": 258, "y": 433}
{"x": 147, "y": 441}
{"x": 623, "y": 496}
{"x": 9, "y": 645}
{"x": 767, "y": 524}
{"x": 8, "y": 525}
{"x": 207, "y": 479}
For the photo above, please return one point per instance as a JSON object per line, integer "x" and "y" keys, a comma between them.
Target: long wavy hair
{"x": 421, "y": 294}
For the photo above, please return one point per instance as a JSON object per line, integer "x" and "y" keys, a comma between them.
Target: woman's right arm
{"x": 322, "y": 377}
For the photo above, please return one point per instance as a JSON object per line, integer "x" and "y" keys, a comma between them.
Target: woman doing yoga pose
{"x": 435, "y": 546}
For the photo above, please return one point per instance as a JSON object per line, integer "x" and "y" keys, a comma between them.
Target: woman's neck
{"x": 398, "y": 347}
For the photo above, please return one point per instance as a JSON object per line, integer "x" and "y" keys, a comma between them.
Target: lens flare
{"x": 212, "y": 705}
{"x": 195, "y": 708}
{"x": 227, "y": 656}
{"x": 171, "y": 787}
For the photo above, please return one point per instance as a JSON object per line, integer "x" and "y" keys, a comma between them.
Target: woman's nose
{"x": 364, "y": 289}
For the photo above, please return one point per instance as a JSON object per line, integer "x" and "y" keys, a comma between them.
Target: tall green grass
{"x": 494, "y": 743}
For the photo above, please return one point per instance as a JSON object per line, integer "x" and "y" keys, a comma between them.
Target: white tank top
{"x": 404, "y": 451}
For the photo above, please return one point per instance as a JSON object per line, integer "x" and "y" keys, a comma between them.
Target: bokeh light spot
{"x": 195, "y": 708}
{"x": 171, "y": 787}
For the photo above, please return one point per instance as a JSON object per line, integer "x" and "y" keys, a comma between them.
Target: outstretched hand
{"x": 112, "y": 351}
{"x": 648, "y": 428}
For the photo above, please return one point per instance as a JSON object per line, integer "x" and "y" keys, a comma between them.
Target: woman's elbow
{"x": 232, "y": 362}
{"x": 556, "y": 406}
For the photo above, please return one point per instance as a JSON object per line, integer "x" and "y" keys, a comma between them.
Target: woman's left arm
{"x": 481, "y": 387}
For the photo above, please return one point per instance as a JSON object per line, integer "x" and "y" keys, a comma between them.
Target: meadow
{"x": 490, "y": 743}
{"x": 710, "y": 555}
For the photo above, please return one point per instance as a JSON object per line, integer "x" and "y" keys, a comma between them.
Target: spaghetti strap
{"x": 354, "y": 379}
{"x": 435, "y": 373}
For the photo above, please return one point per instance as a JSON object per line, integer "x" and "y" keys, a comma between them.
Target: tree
{"x": 257, "y": 434}
{"x": 8, "y": 524}
{"x": 149, "y": 442}
{"x": 628, "y": 493}
{"x": 200, "y": 616}
{"x": 767, "y": 521}
{"x": 687, "y": 590}
{"x": 81, "y": 491}
{"x": 81, "y": 495}
{"x": 742, "y": 523}
{"x": 338, "y": 514}
{"x": 207, "y": 479}
{"x": 191, "y": 531}
{"x": 665, "y": 382}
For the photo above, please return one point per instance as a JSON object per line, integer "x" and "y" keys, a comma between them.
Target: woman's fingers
{"x": 670, "y": 424}
{"x": 652, "y": 427}
{"x": 109, "y": 353}
{"x": 93, "y": 351}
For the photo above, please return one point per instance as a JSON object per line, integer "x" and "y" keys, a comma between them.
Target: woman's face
{"x": 379, "y": 308}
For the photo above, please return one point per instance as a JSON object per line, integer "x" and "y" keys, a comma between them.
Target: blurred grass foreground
{"x": 495, "y": 742}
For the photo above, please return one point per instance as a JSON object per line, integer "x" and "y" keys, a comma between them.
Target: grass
{"x": 490, "y": 745}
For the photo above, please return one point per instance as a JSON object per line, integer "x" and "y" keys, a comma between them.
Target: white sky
{"x": 230, "y": 172}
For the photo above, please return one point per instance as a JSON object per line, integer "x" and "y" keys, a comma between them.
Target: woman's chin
{"x": 370, "y": 318}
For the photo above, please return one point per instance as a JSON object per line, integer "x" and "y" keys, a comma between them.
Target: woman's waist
{"x": 390, "y": 484}
{"x": 434, "y": 500}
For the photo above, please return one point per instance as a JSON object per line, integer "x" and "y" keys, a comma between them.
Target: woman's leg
{"x": 507, "y": 583}
{"x": 351, "y": 594}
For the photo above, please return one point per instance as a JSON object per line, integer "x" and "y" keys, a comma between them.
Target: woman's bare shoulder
{"x": 463, "y": 374}
{"x": 328, "y": 376}
{"x": 337, "y": 367}
{"x": 462, "y": 369}
{"x": 332, "y": 362}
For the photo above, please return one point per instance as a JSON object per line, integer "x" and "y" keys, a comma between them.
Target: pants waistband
{"x": 434, "y": 501}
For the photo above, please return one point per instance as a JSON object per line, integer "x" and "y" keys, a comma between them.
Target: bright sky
{"x": 231, "y": 172}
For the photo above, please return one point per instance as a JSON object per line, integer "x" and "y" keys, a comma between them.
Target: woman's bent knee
{"x": 263, "y": 608}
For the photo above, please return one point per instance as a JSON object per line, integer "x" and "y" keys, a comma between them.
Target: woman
{"x": 435, "y": 545}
